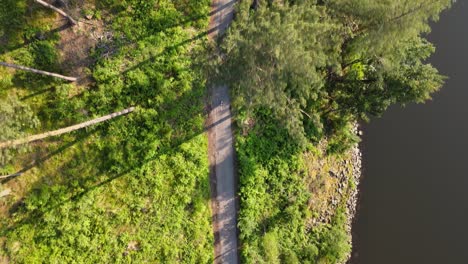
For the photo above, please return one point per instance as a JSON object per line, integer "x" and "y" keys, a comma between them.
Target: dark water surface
{"x": 414, "y": 194}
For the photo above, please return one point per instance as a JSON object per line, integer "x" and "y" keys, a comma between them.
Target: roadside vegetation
{"x": 302, "y": 74}
{"x": 291, "y": 209}
{"x": 134, "y": 189}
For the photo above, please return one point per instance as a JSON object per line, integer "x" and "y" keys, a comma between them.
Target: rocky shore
{"x": 354, "y": 180}
{"x": 334, "y": 184}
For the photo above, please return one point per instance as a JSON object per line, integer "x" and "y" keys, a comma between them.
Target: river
{"x": 414, "y": 193}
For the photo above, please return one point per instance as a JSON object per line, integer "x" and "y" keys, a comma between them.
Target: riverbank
{"x": 353, "y": 195}
{"x": 333, "y": 184}
{"x": 296, "y": 204}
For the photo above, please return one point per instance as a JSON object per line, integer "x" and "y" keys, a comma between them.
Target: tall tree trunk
{"x": 73, "y": 21}
{"x": 61, "y": 131}
{"x": 19, "y": 67}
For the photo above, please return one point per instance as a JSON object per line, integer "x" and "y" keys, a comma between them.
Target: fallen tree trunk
{"x": 61, "y": 131}
{"x": 19, "y": 67}
{"x": 73, "y": 21}
{"x": 11, "y": 175}
{"x": 5, "y": 192}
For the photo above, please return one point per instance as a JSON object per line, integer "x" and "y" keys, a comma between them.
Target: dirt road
{"x": 223, "y": 178}
{"x": 222, "y": 13}
{"x": 221, "y": 153}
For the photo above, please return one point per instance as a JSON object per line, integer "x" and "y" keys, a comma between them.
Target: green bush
{"x": 273, "y": 220}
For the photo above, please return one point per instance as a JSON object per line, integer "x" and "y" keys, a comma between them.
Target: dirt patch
{"x": 77, "y": 42}
{"x": 75, "y": 47}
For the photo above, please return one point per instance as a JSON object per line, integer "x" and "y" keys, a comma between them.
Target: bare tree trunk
{"x": 61, "y": 131}
{"x": 19, "y": 67}
{"x": 73, "y": 21}
{"x": 5, "y": 192}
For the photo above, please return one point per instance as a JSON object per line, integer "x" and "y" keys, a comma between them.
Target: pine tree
{"x": 15, "y": 119}
{"x": 275, "y": 57}
{"x": 325, "y": 64}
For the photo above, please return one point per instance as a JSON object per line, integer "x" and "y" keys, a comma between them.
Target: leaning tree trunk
{"x": 19, "y": 67}
{"x": 58, "y": 132}
{"x": 73, "y": 21}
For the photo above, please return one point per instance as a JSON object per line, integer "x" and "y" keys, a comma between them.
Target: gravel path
{"x": 224, "y": 182}
{"x": 221, "y": 153}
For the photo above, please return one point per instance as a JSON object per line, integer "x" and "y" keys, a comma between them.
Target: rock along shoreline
{"x": 353, "y": 196}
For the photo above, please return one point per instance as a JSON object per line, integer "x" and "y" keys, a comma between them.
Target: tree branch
{"x": 396, "y": 18}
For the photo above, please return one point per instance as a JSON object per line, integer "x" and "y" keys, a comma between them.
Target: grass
{"x": 74, "y": 211}
{"x": 135, "y": 189}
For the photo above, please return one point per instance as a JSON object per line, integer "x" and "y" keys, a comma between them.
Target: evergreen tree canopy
{"x": 322, "y": 64}
{"x": 15, "y": 118}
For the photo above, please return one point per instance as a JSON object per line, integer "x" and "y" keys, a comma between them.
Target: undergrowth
{"x": 135, "y": 189}
{"x": 274, "y": 200}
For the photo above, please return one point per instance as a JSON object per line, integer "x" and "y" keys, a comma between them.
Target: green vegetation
{"x": 319, "y": 65}
{"x": 132, "y": 190}
{"x": 302, "y": 74}
{"x": 137, "y": 189}
{"x": 15, "y": 117}
{"x": 276, "y": 201}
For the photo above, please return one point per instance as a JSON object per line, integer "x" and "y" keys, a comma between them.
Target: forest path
{"x": 221, "y": 152}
